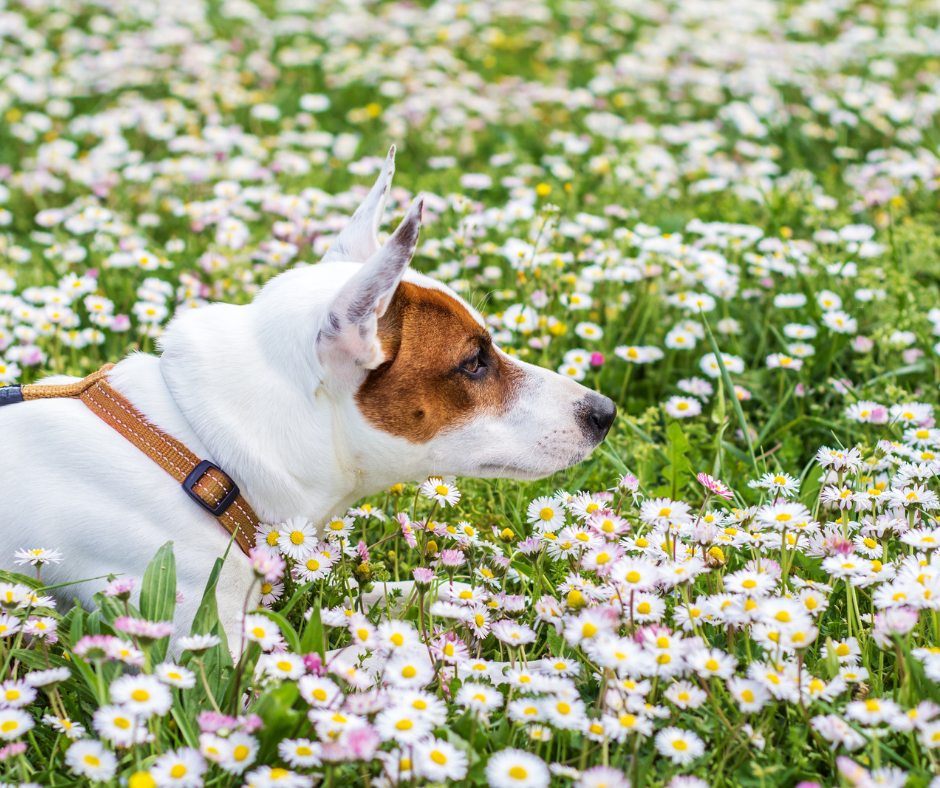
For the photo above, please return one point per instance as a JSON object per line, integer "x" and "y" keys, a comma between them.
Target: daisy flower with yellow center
{"x": 545, "y": 514}
{"x": 442, "y": 490}
{"x": 512, "y": 768}
{"x": 297, "y": 538}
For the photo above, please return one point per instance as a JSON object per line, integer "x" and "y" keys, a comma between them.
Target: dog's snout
{"x": 595, "y": 413}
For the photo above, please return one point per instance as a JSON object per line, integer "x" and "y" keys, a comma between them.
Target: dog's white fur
{"x": 267, "y": 392}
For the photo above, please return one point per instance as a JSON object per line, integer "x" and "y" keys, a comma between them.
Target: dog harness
{"x": 203, "y": 481}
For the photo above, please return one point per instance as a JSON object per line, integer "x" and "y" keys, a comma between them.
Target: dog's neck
{"x": 270, "y": 427}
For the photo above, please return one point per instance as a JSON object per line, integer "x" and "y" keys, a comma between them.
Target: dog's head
{"x": 424, "y": 380}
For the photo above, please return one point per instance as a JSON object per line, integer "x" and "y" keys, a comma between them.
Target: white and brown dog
{"x": 337, "y": 381}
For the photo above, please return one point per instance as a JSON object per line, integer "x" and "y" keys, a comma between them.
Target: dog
{"x": 337, "y": 381}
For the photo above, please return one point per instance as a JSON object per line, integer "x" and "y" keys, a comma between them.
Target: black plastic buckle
{"x": 198, "y": 472}
{"x": 10, "y": 395}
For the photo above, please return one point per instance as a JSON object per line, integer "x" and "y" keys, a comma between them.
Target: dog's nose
{"x": 595, "y": 414}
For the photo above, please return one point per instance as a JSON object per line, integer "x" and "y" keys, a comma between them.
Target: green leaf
{"x": 16, "y": 577}
{"x": 729, "y": 386}
{"x": 158, "y": 594}
{"x": 679, "y": 466}
{"x": 312, "y": 640}
{"x": 158, "y": 590}
{"x": 556, "y": 643}
{"x": 245, "y": 667}
{"x": 275, "y": 707}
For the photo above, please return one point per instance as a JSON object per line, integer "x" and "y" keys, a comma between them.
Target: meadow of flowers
{"x": 720, "y": 213}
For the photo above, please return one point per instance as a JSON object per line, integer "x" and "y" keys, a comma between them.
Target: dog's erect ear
{"x": 359, "y": 239}
{"x": 348, "y": 339}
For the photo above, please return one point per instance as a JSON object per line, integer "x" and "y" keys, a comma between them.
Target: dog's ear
{"x": 359, "y": 239}
{"x": 348, "y": 342}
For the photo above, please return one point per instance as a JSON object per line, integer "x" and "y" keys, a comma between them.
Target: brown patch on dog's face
{"x": 440, "y": 370}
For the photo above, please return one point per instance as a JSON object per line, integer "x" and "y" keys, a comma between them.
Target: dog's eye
{"x": 474, "y": 367}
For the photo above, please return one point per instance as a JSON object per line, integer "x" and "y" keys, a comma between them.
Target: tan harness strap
{"x": 203, "y": 481}
{"x": 76, "y": 389}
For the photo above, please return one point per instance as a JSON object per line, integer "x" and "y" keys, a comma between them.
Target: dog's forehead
{"x": 421, "y": 280}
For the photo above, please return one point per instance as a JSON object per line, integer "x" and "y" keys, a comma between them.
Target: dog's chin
{"x": 530, "y": 471}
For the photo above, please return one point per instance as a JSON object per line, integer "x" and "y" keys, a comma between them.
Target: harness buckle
{"x": 197, "y": 473}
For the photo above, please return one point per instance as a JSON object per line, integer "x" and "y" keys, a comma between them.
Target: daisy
{"x": 65, "y": 726}
{"x": 14, "y": 694}
{"x": 604, "y": 777}
{"x": 270, "y": 593}
{"x": 297, "y": 538}
{"x": 318, "y": 691}
{"x": 663, "y": 511}
{"x": 512, "y": 633}
{"x": 779, "y": 484}
{"x": 364, "y": 635}
{"x": 750, "y": 695}
{"x": 783, "y": 361}
{"x": 240, "y": 753}
{"x": 680, "y": 746}
{"x": 315, "y": 567}
{"x": 367, "y": 510}
{"x": 276, "y": 777}
{"x": 175, "y": 676}
{"x": 629, "y": 723}
{"x": 636, "y": 574}
{"x": 300, "y": 753}
{"x": 119, "y": 725}
{"x": 546, "y": 514}
{"x": 198, "y": 644}
{"x": 144, "y": 696}
{"x": 564, "y": 712}
{"x": 281, "y": 666}
{"x": 423, "y": 704}
{"x": 412, "y": 670}
{"x": 339, "y": 526}
{"x": 261, "y": 630}
{"x": 90, "y": 759}
{"x": 395, "y": 634}
{"x": 590, "y": 331}
{"x": 512, "y": 768}
{"x": 638, "y": 354}
{"x": 444, "y": 491}
{"x": 14, "y": 723}
{"x": 710, "y": 365}
{"x": 400, "y": 724}
{"x": 37, "y": 557}
{"x": 572, "y": 371}
{"x": 710, "y": 663}
{"x": 682, "y": 407}
{"x": 478, "y": 698}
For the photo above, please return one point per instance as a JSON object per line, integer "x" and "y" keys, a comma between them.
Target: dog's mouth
{"x": 528, "y": 472}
